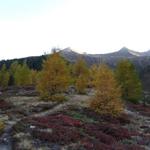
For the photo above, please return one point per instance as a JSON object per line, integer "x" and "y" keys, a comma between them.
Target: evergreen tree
{"x": 4, "y": 77}
{"x": 54, "y": 78}
{"x": 107, "y": 99}
{"x": 129, "y": 81}
{"x": 81, "y": 74}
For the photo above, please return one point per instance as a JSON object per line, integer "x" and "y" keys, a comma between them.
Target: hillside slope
{"x": 141, "y": 60}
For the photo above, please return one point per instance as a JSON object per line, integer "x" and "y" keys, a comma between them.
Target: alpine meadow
{"x": 67, "y": 79}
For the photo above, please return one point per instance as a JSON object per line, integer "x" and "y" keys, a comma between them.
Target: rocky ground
{"x": 30, "y": 124}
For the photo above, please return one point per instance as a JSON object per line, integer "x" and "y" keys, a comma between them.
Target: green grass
{"x": 81, "y": 117}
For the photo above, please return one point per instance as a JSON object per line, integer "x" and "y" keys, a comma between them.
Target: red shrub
{"x": 115, "y": 131}
{"x": 66, "y": 130}
{"x": 63, "y": 128}
{"x": 60, "y": 119}
{"x": 133, "y": 147}
{"x": 122, "y": 119}
{"x": 61, "y": 135}
{"x": 93, "y": 144}
{"x": 90, "y": 144}
{"x": 144, "y": 110}
{"x": 102, "y": 137}
{"x": 112, "y": 130}
{"x": 125, "y": 147}
{"x": 4, "y": 105}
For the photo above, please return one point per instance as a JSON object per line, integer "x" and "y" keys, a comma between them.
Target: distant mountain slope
{"x": 141, "y": 60}
{"x": 69, "y": 54}
{"x": 123, "y": 52}
{"x": 147, "y": 53}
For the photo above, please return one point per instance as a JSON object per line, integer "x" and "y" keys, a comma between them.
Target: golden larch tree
{"x": 4, "y": 76}
{"x": 129, "y": 81}
{"x": 12, "y": 71}
{"x": 53, "y": 80}
{"x": 92, "y": 72}
{"x": 81, "y": 74}
{"x": 22, "y": 75}
{"x": 107, "y": 99}
{"x": 34, "y": 74}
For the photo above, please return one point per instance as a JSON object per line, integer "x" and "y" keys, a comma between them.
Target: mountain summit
{"x": 127, "y": 52}
{"x": 109, "y": 58}
{"x": 124, "y": 52}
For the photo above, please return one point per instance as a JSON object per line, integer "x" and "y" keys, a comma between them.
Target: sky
{"x": 34, "y": 27}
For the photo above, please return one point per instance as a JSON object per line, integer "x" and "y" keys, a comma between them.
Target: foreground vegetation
{"x": 73, "y": 106}
{"x": 57, "y": 75}
{"x": 71, "y": 125}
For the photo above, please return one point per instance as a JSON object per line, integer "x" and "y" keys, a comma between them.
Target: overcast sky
{"x": 32, "y": 27}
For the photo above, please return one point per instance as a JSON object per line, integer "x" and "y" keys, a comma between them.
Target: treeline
{"x": 34, "y": 63}
{"x": 111, "y": 86}
{"x": 17, "y": 75}
{"x": 57, "y": 75}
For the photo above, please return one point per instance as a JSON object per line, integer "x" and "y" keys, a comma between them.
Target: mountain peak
{"x": 127, "y": 52}
{"x": 124, "y": 49}
{"x": 68, "y": 49}
{"x": 146, "y": 53}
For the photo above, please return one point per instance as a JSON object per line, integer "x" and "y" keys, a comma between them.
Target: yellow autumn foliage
{"x": 53, "y": 80}
{"x": 129, "y": 81}
{"x": 4, "y": 77}
{"x": 2, "y": 126}
{"x": 107, "y": 99}
{"x": 81, "y": 84}
{"x": 81, "y": 74}
{"x": 34, "y": 74}
{"x": 22, "y": 75}
{"x": 92, "y": 72}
